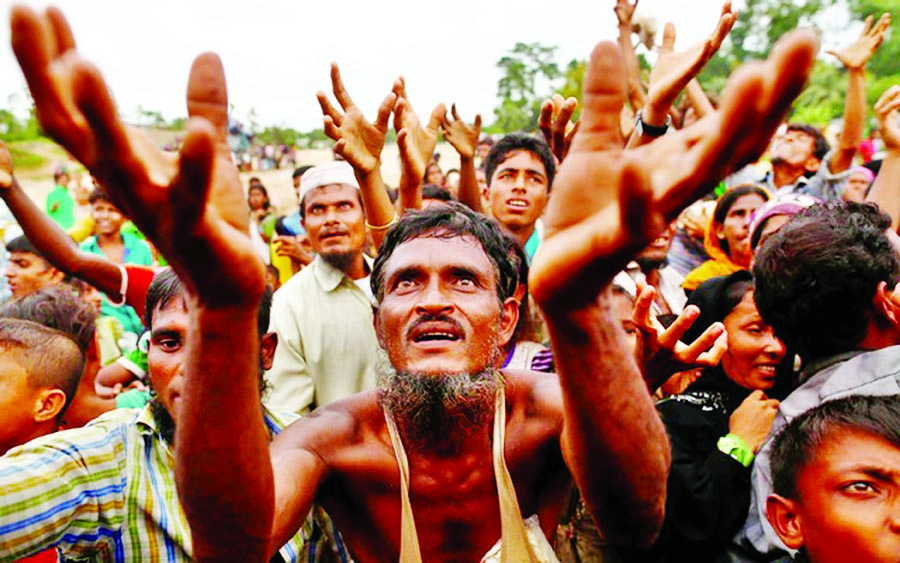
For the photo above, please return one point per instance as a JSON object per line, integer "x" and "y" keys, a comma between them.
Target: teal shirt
{"x": 534, "y": 241}
{"x": 64, "y": 215}
{"x": 138, "y": 252}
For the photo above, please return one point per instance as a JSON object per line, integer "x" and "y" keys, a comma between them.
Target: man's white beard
{"x": 437, "y": 412}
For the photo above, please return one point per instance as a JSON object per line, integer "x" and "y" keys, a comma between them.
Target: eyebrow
{"x": 166, "y": 332}
{"x": 503, "y": 168}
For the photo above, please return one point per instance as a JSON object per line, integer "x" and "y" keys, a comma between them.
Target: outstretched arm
{"x": 607, "y": 204}
{"x": 624, "y": 13}
{"x": 673, "y": 71}
{"x": 464, "y": 139}
{"x": 53, "y": 242}
{"x": 854, "y": 59}
{"x": 192, "y": 207}
{"x": 886, "y": 188}
{"x": 360, "y": 143}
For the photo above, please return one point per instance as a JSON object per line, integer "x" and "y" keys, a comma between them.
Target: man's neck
{"x": 786, "y": 175}
{"x": 358, "y": 268}
{"x": 521, "y": 233}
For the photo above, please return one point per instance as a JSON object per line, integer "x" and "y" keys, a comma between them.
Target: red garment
{"x": 48, "y": 556}
{"x": 139, "y": 278}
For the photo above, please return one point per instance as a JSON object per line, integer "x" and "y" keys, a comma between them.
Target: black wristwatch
{"x": 644, "y": 130}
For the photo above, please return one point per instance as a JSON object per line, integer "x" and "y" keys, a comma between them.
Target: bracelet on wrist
{"x": 736, "y": 448}
{"x": 386, "y": 226}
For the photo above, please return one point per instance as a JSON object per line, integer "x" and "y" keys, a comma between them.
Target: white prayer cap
{"x": 335, "y": 172}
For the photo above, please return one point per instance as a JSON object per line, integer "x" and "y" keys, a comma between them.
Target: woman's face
{"x": 735, "y": 230}
{"x": 257, "y": 199}
{"x": 753, "y": 352}
{"x": 857, "y": 184}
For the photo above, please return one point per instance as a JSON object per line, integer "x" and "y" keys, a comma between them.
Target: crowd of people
{"x": 657, "y": 333}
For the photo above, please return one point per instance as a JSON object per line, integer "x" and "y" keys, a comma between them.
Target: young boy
{"x": 39, "y": 373}
{"x": 836, "y": 481}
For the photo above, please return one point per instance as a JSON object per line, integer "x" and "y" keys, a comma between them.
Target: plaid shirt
{"x": 105, "y": 492}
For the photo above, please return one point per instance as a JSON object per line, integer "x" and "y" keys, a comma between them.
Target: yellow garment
{"x": 520, "y": 542}
{"x": 82, "y": 229}
{"x": 719, "y": 263}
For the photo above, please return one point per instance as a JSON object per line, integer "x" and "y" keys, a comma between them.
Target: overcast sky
{"x": 276, "y": 52}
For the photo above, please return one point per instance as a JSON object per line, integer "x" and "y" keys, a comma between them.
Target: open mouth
{"x": 517, "y": 203}
{"x": 431, "y": 331}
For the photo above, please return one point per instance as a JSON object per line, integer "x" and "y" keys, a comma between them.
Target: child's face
{"x": 849, "y": 505}
{"x": 17, "y": 401}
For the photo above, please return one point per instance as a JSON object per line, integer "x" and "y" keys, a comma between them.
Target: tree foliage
{"x": 529, "y": 74}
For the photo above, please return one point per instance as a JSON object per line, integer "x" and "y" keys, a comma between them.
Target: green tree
{"x": 529, "y": 73}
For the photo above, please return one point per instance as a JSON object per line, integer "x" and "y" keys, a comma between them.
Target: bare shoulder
{"x": 536, "y": 395}
{"x": 330, "y": 431}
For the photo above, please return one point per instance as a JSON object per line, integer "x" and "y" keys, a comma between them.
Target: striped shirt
{"x": 105, "y": 492}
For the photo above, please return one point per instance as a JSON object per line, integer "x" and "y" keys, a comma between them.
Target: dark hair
{"x": 716, "y": 298}
{"x": 519, "y": 259}
{"x": 22, "y": 244}
{"x": 433, "y": 191}
{"x": 798, "y": 442}
{"x": 727, "y": 201}
{"x": 166, "y": 286}
{"x": 515, "y": 142}
{"x": 70, "y": 318}
{"x": 264, "y": 191}
{"x": 300, "y": 170}
{"x": 816, "y": 277}
{"x": 99, "y": 194}
{"x": 448, "y": 221}
{"x": 820, "y": 145}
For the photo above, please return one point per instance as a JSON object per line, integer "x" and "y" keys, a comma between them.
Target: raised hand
{"x": 462, "y": 136}
{"x": 856, "y": 55}
{"x": 886, "y": 110}
{"x": 673, "y": 71}
{"x": 191, "y": 206}
{"x": 624, "y": 12}
{"x": 357, "y": 140}
{"x": 416, "y": 142}
{"x": 555, "y": 123}
{"x": 662, "y": 352}
{"x": 608, "y": 203}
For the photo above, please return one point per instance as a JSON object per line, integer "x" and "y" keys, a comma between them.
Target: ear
{"x": 888, "y": 303}
{"x": 812, "y": 164}
{"x": 719, "y": 231}
{"x": 379, "y": 330}
{"x": 267, "y": 346}
{"x": 48, "y": 405}
{"x": 509, "y": 318}
{"x": 784, "y": 518}
{"x": 57, "y": 276}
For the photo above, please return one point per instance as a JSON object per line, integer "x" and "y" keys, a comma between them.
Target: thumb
{"x": 437, "y": 116}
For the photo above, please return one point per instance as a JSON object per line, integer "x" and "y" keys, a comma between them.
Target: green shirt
{"x": 64, "y": 214}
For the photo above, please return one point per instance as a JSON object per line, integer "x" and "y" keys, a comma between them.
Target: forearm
{"x": 57, "y": 247}
{"x": 698, "y": 99}
{"x": 854, "y": 122}
{"x": 636, "y": 95}
{"x": 224, "y": 474}
{"x": 409, "y": 192}
{"x": 469, "y": 194}
{"x": 378, "y": 207}
{"x": 614, "y": 440}
{"x": 886, "y": 188}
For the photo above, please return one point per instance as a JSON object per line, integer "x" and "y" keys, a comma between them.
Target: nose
{"x": 774, "y": 345}
{"x": 433, "y": 299}
{"x": 519, "y": 183}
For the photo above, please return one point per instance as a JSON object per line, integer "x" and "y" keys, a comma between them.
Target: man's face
{"x": 28, "y": 272}
{"x": 334, "y": 220}
{"x": 440, "y": 313}
{"x": 735, "y": 230}
{"x": 518, "y": 190}
{"x": 166, "y": 354}
{"x": 17, "y": 398}
{"x": 654, "y": 256}
{"x": 849, "y": 501}
{"x": 107, "y": 218}
{"x": 754, "y": 352}
{"x": 795, "y": 148}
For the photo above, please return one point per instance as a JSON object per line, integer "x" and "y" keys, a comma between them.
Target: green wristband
{"x": 736, "y": 448}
